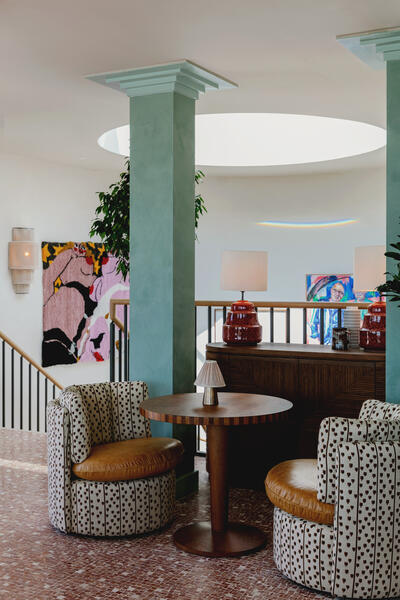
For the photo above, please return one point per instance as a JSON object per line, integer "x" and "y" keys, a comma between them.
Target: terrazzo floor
{"x": 38, "y": 562}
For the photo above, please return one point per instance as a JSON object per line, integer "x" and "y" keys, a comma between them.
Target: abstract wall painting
{"x": 79, "y": 279}
{"x": 330, "y": 288}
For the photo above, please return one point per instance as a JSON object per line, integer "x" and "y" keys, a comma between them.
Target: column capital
{"x": 183, "y": 77}
{"x": 374, "y": 47}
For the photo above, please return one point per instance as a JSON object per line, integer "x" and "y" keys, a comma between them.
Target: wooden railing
{"x": 119, "y": 358}
{"x": 24, "y": 388}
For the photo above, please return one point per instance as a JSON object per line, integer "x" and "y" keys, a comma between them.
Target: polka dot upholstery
{"x": 359, "y": 556}
{"x": 336, "y": 430}
{"x": 87, "y": 415}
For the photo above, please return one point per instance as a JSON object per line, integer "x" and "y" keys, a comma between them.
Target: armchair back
{"x": 104, "y": 412}
{"x": 378, "y": 422}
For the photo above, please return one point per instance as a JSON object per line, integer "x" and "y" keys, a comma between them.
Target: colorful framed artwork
{"x": 326, "y": 288}
{"x": 79, "y": 279}
{"x": 330, "y": 288}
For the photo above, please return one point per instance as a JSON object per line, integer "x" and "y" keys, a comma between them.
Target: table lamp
{"x": 369, "y": 270}
{"x": 210, "y": 377}
{"x": 244, "y": 271}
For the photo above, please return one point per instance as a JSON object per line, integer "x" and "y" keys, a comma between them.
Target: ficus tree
{"x": 112, "y": 218}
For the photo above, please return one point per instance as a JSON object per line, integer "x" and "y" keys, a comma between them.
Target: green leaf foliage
{"x": 111, "y": 224}
{"x": 391, "y": 288}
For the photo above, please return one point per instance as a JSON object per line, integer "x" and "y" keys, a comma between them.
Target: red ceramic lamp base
{"x": 373, "y": 331}
{"x": 242, "y": 326}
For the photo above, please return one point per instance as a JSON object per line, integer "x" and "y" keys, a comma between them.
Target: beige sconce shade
{"x": 369, "y": 267}
{"x": 22, "y": 258}
{"x": 244, "y": 270}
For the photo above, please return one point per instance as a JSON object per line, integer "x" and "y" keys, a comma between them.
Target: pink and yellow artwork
{"x": 79, "y": 280}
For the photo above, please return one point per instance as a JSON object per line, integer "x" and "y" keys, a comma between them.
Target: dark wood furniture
{"x": 319, "y": 381}
{"x": 218, "y": 538}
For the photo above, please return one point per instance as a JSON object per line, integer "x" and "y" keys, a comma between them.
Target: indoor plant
{"x": 391, "y": 288}
{"x": 112, "y": 221}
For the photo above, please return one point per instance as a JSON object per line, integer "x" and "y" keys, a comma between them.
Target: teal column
{"x": 162, "y": 245}
{"x": 162, "y": 233}
{"x": 377, "y": 48}
{"x": 393, "y": 226}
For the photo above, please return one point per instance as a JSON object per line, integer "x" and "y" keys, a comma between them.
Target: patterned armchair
{"x": 107, "y": 476}
{"x": 337, "y": 518}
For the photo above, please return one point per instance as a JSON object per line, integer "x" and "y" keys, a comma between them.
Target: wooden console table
{"x": 319, "y": 381}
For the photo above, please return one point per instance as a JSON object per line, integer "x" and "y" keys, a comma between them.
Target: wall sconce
{"x": 22, "y": 258}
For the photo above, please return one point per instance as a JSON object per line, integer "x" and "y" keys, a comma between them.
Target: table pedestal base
{"x": 237, "y": 539}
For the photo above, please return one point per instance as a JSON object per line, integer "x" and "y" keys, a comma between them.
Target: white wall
{"x": 236, "y": 204}
{"x": 59, "y": 202}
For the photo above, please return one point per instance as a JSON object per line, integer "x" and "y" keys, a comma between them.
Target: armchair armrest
{"x": 59, "y": 465}
{"x": 366, "y": 557}
{"x": 336, "y": 430}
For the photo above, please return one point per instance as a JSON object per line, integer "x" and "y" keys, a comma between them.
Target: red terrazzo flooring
{"x": 38, "y": 562}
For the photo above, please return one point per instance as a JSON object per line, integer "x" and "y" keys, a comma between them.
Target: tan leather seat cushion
{"x": 131, "y": 459}
{"x": 292, "y": 486}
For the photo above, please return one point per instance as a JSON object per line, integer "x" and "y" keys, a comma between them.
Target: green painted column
{"x": 162, "y": 244}
{"x": 393, "y": 225}
{"x": 378, "y": 48}
{"x": 162, "y": 234}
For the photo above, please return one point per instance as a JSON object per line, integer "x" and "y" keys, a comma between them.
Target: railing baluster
{"x": 112, "y": 351}
{"x": 128, "y": 353}
{"x": 37, "y": 401}
{"x": 120, "y": 355}
{"x": 3, "y": 385}
{"x": 271, "y": 325}
{"x": 45, "y": 404}
{"x": 195, "y": 343}
{"x": 209, "y": 324}
{"x": 125, "y": 342}
{"x": 288, "y": 325}
{"x": 12, "y": 388}
{"x": 304, "y": 326}
{"x": 21, "y": 393}
{"x": 54, "y": 391}
{"x": 321, "y": 326}
{"x": 224, "y": 314}
{"x": 30, "y": 397}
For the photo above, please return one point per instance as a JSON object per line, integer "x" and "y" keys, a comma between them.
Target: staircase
{"x": 25, "y": 388}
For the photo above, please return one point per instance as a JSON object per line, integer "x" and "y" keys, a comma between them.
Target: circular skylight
{"x": 268, "y": 139}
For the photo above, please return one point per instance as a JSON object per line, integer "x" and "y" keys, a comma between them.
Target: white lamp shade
{"x": 210, "y": 375}
{"x": 22, "y": 255}
{"x": 244, "y": 270}
{"x": 369, "y": 267}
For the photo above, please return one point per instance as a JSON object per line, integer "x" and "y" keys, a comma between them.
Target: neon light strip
{"x": 307, "y": 225}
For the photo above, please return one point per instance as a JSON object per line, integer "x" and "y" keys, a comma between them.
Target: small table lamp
{"x": 369, "y": 270}
{"x": 243, "y": 271}
{"x": 210, "y": 377}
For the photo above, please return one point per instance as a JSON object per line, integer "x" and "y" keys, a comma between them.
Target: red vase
{"x": 242, "y": 326}
{"x": 373, "y": 331}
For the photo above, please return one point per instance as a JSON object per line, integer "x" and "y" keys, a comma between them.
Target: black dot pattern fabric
{"x": 359, "y": 556}
{"x": 303, "y": 550}
{"x": 337, "y": 430}
{"x": 92, "y": 414}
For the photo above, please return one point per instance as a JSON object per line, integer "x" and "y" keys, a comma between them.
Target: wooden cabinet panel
{"x": 275, "y": 377}
{"x": 319, "y": 381}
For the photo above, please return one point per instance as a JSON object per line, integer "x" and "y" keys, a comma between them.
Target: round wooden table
{"x": 218, "y": 538}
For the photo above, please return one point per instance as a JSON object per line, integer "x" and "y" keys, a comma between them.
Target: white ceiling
{"x": 282, "y": 53}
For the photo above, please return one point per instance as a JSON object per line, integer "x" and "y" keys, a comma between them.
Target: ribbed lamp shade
{"x": 369, "y": 267}
{"x": 245, "y": 270}
{"x": 210, "y": 375}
